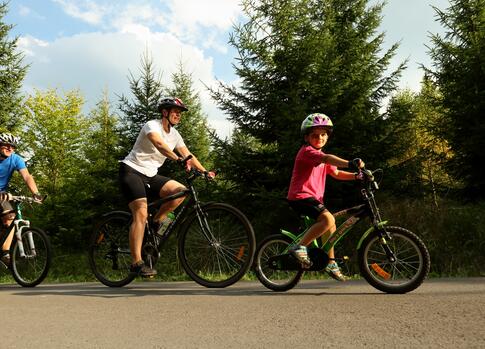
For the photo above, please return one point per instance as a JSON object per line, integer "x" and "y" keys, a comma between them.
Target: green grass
{"x": 454, "y": 234}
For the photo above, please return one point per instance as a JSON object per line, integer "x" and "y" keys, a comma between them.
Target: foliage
{"x": 12, "y": 74}
{"x": 103, "y": 150}
{"x": 296, "y": 58}
{"x": 459, "y": 72}
{"x": 56, "y": 134}
{"x": 147, "y": 91}
{"x": 418, "y": 166}
{"x": 193, "y": 125}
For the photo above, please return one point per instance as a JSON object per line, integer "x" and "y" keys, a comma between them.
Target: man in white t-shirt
{"x": 139, "y": 178}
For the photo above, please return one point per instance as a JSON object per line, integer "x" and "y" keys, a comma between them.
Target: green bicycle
{"x": 392, "y": 259}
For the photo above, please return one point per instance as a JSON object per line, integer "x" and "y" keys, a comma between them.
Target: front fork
{"x": 384, "y": 237}
{"x": 20, "y": 225}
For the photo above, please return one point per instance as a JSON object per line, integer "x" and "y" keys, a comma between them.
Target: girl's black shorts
{"x": 310, "y": 207}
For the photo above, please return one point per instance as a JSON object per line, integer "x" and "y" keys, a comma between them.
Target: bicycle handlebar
{"x": 193, "y": 173}
{"x": 22, "y": 198}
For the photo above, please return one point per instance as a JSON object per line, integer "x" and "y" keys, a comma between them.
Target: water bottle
{"x": 166, "y": 222}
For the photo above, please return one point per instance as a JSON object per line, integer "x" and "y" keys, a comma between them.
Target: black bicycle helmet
{"x": 171, "y": 102}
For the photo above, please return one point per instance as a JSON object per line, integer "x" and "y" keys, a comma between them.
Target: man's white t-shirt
{"x": 145, "y": 157}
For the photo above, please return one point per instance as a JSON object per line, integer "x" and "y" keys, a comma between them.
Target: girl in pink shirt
{"x": 307, "y": 186}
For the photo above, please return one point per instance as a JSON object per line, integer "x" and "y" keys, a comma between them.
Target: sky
{"x": 93, "y": 45}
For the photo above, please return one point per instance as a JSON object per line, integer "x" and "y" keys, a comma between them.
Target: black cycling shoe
{"x": 141, "y": 269}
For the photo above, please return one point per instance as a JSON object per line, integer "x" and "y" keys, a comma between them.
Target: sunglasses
{"x": 8, "y": 146}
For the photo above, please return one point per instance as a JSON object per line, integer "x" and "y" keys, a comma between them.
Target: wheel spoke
{"x": 226, "y": 256}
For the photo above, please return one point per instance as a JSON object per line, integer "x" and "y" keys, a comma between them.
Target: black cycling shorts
{"x": 6, "y": 207}
{"x": 310, "y": 207}
{"x": 135, "y": 185}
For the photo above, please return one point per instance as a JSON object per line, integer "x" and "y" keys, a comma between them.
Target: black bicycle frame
{"x": 192, "y": 200}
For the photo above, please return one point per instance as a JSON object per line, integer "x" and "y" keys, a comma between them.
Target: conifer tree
{"x": 147, "y": 92}
{"x": 193, "y": 125}
{"x": 103, "y": 150}
{"x": 296, "y": 58}
{"x": 459, "y": 72}
{"x": 12, "y": 73}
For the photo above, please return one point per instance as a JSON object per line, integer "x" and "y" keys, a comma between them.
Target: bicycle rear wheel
{"x": 227, "y": 254}
{"x": 276, "y": 280}
{"x": 30, "y": 266}
{"x": 109, "y": 250}
{"x": 406, "y": 273}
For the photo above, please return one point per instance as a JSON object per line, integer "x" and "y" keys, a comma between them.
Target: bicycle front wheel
{"x": 109, "y": 250}
{"x": 403, "y": 275}
{"x": 276, "y": 280}
{"x": 30, "y": 260}
{"x": 216, "y": 245}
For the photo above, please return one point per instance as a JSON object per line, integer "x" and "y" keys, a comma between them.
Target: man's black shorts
{"x": 310, "y": 207}
{"x": 135, "y": 185}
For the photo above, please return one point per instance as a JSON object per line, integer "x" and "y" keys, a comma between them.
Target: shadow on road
{"x": 144, "y": 289}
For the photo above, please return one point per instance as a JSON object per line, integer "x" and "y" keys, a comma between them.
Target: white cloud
{"x": 211, "y": 13}
{"x": 86, "y": 10}
{"x": 170, "y": 30}
{"x": 93, "y": 62}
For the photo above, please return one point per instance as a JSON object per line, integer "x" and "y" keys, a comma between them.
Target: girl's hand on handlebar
{"x": 356, "y": 164}
{"x": 210, "y": 174}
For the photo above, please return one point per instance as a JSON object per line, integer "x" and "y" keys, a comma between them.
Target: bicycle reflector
{"x": 381, "y": 272}
{"x": 240, "y": 254}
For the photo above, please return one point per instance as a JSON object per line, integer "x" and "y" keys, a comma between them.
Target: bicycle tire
{"x": 109, "y": 250}
{"x": 224, "y": 261}
{"x": 276, "y": 280}
{"x": 407, "y": 273}
{"x": 31, "y": 269}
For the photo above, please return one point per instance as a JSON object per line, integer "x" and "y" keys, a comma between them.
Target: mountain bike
{"x": 30, "y": 251}
{"x": 216, "y": 241}
{"x": 392, "y": 259}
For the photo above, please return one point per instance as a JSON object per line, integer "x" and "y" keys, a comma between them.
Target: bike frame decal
{"x": 342, "y": 230}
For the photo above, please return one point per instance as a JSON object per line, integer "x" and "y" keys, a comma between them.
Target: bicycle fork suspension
{"x": 31, "y": 252}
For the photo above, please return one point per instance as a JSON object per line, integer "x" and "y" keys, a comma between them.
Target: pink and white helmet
{"x": 315, "y": 120}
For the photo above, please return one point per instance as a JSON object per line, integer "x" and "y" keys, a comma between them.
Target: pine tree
{"x": 103, "y": 150}
{"x": 12, "y": 74}
{"x": 147, "y": 91}
{"x": 193, "y": 125}
{"x": 296, "y": 58}
{"x": 459, "y": 71}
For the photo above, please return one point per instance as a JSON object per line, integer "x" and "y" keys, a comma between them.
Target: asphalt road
{"x": 442, "y": 313}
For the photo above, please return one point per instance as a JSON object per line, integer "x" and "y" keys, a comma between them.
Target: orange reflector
{"x": 240, "y": 254}
{"x": 100, "y": 238}
{"x": 384, "y": 274}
